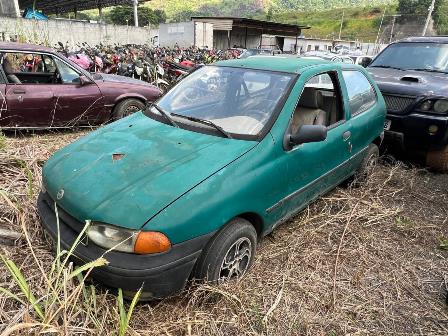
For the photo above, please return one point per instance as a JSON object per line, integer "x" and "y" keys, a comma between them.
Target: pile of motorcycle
{"x": 162, "y": 67}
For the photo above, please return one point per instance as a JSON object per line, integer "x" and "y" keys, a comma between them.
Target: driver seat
{"x": 309, "y": 109}
{"x": 9, "y": 72}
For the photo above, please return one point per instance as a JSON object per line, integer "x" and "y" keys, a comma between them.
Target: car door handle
{"x": 347, "y": 135}
{"x": 19, "y": 91}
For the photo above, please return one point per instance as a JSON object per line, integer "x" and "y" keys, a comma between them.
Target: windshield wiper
{"x": 430, "y": 70}
{"x": 385, "y": 67}
{"x": 205, "y": 122}
{"x": 165, "y": 115}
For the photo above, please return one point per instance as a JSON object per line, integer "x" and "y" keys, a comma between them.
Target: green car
{"x": 186, "y": 188}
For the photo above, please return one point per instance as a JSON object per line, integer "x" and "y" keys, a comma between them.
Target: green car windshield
{"x": 240, "y": 102}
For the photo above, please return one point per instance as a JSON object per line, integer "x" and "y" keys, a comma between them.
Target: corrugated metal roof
{"x": 62, "y": 6}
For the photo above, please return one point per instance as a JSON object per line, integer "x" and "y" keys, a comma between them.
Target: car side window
{"x": 21, "y": 62}
{"x": 28, "y": 68}
{"x": 320, "y": 103}
{"x": 361, "y": 93}
{"x": 66, "y": 73}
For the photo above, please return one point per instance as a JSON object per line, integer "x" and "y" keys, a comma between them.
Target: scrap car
{"x": 40, "y": 88}
{"x": 412, "y": 74}
{"x": 186, "y": 188}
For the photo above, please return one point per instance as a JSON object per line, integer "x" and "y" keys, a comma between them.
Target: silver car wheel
{"x": 237, "y": 259}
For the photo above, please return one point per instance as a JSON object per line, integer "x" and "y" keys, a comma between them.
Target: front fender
{"x": 236, "y": 189}
{"x": 130, "y": 95}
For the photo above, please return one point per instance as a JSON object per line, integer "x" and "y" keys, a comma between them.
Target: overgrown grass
{"x": 360, "y": 261}
{"x": 2, "y": 141}
{"x": 64, "y": 294}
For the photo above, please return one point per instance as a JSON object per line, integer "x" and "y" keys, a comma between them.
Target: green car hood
{"x": 127, "y": 172}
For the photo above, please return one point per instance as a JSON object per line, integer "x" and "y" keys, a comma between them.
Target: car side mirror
{"x": 308, "y": 133}
{"x": 366, "y": 62}
{"x": 84, "y": 80}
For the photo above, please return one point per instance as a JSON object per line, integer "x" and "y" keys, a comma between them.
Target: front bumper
{"x": 160, "y": 275}
{"x": 413, "y": 130}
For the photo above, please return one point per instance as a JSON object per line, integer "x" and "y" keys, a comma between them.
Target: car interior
{"x": 241, "y": 103}
{"x": 29, "y": 69}
{"x": 319, "y": 104}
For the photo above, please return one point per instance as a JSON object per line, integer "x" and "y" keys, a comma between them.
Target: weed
{"x": 126, "y": 317}
{"x": 2, "y": 141}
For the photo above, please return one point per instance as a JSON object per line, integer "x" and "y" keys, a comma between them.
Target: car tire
{"x": 220, "y": 261}
{"x": 127, "y": 107}
{"x": 367, "y": 164}
{"x": 438, "y": 159}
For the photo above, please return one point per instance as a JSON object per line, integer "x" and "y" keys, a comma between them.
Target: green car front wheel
{"x": 229, "y": 254}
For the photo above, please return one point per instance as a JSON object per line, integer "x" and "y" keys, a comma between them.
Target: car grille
{"x": 398, "y": 104}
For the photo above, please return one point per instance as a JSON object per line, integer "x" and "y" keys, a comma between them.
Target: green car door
{"x": 365, "y": 109}
{"x": 307, "y": 171}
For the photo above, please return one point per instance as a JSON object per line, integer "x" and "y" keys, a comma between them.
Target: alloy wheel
{"x": 237, "y": 259}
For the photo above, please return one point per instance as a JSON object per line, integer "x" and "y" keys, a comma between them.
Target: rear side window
{"x": 361, "y": 93}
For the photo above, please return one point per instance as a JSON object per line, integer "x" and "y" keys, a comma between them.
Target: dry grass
{"x": 359, "y": 261}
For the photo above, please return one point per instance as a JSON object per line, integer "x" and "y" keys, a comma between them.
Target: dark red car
{"x": 40, "y": 88}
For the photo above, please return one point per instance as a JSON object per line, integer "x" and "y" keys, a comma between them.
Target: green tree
{"x": 122, "y": 15}
{"x": 269, "y": 14}
{"x": 183, "y": 16}
{"x": 419, "y": 7}
{"x": 441, "y": 17}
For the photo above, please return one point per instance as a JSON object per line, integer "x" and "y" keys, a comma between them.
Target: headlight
{"x": 130, "y": 241}
{"x": 426, "y": 106}
{"x": 441, "y": 106}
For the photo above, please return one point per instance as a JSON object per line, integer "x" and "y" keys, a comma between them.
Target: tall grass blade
{"x": 126, "y": 318}
{"x": 96, "y": 263}
{"x": 21, "y": 282}
{"x": 122, "y": 313}
{"x": 11, "y": 295}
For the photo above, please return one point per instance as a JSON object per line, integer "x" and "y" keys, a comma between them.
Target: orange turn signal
{"x": 151, "y": 242}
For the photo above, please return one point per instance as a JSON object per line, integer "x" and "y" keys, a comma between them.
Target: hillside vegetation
{"x": 178, "y": 8}
{"x": 360, "y": 19}
{"x": 357, "y": 23}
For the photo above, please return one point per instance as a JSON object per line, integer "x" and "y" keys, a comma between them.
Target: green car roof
{"x": 274, "y": 63}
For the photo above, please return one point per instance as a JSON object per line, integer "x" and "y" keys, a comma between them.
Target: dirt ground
{"x": 371, "y": 260}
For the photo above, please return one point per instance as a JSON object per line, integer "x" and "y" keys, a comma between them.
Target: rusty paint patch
{"x": 117, "y": 157}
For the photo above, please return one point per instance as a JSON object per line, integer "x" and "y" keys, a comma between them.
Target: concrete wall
{"x": 9, "y": 8}
{"x": 181, "y": 33}
{"x": 52, "y": 31}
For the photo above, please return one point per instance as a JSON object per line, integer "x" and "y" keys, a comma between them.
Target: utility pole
{"x": 377, "y": 41}
{"x": 430, "y": 10}
{"x": 342, "y": 22}
{"x": 136, "y": 12}
{"x": 394, "y": 17}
